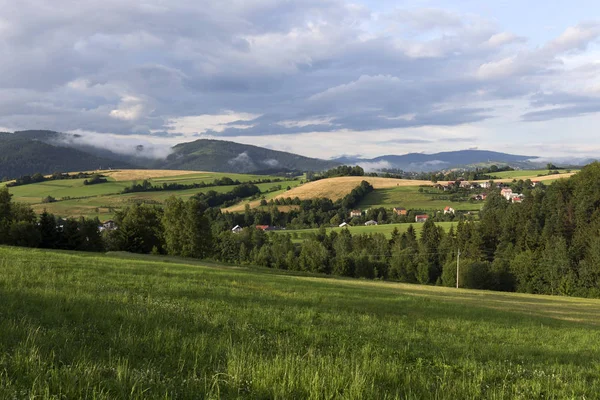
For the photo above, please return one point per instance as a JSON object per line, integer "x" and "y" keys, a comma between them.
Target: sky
{"x": 321, "y": 78}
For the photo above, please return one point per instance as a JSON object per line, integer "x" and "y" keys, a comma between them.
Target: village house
{"x": 421, "y": 218}
{"x": 506, "y": 193}
{"x": 448, "y": 210}
{"x": 355, "y": 213}
{"x": 535, "y": 183}
{"x": 109, "y": 225}
{"x": 236, "y": 229}
{"x": 517, "y": 198}
{"x": 485, "y": 185}
{"x": 371, "y": 223}
{"x": 400, "y": 211}
{"x": 466, "y": 185}
{"x": 480, "y": 197}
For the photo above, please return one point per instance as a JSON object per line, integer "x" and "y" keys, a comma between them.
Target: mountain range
{"x": 28, "y": 152}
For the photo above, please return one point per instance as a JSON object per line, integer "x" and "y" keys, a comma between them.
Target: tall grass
{"x": 84, "y": 326}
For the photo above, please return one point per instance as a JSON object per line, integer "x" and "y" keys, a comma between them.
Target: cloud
{"x": 271, "y": 163}
{"x": 131, "y": 145}
{"x": 375, "y": 166}
{"x": 243, "y": 161}
{"x": 269, "y": 69}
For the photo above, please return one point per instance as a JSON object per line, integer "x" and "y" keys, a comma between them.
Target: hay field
{"x": 532, "y": 176}
{"x": 140, "y": 174}
{"x": 337, "y": 188}
{"x": 332, "y": 188}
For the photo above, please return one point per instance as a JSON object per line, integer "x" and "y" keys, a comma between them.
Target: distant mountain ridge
{"x": 28, "y": 152}
{"x": 419, "y": 162}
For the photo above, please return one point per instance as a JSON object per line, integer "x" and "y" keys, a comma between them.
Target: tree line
{"x": 147, "y": 186}
{"x": 36, "y": 178}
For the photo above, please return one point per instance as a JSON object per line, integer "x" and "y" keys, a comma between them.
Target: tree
{"x": 186, "y": 230}
{"x": 313, "y": 257}
{"x": 140, "y": 229}
{"x": 429, "y": 269}
{"x": 5, "y": 214}
{"x": 48, "y": 231}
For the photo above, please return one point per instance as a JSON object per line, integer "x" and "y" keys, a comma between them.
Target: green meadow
{"x": 101, "y": 200}
{"x": 410, "y": 198}
{"x": 387, "y": 229}
{"x": 114, "y": 327}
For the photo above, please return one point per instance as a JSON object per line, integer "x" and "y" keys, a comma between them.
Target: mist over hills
{"x": 28, "y": 152}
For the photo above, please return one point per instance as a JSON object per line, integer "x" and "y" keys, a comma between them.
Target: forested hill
{"x": 224, "y": 156}
{"x": 28, "y": 152}
{"x": 25, "y": 156}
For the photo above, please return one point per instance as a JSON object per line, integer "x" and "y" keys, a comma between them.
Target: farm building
{"x": 355, "y": 213}
{"x": 264, "y": 227}
{"x": 448, "y": 210}
{"x": 421, "y": 218}
{"x": 343, "y": 225}
{"x": 400, "y": 211}
{"x": 109, "y": 225}
{"x": 236, "y": 229}
{"x": 371, "y": 223}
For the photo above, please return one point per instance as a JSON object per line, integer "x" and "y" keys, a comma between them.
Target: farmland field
{"x": 410, "y": 198}
{"x": 337, "y": 188}
{"x": 539, "y": 175}
{"x": 106, "y": 327}
{"x": 101, "y": 200}
{"x": 386, "y": 229}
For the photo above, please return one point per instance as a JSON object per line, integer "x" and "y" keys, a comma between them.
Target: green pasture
{"x": 124, "y": 327}
{"x": 387, "y": 229}
{"x": 410, "y": 198}
{"x": 100, "y": 200}
{"x": 209, "y": 177}
{"x": 33, "y": 193}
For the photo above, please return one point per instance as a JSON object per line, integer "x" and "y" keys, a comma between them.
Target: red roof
{"x": 262, "y": 227}
{"x": 422, "y": 216}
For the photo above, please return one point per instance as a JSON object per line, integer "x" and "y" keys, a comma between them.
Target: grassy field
{"x": 528, "y": 174}
{"x": 101, "y": 200}
{"x": 105, "y": 327}
{"x": 410, "y": 198}
{"x": 357, "y": 230}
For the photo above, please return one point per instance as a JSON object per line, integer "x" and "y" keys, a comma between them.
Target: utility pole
{"x": 457, "y": 267}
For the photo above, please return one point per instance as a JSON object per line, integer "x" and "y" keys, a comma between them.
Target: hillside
{"x": 334, "y": 188}
{"x": 223, "y": 156}
{"x": 74, "y": 199}
{"x": 24, "y": 155}
{"x": 120, "y": 326}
